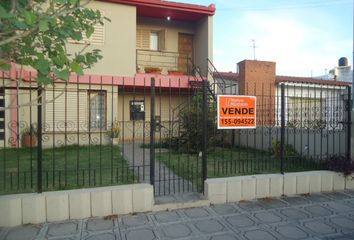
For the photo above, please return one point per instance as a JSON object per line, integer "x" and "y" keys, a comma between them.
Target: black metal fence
{"x": 97, "y": 131}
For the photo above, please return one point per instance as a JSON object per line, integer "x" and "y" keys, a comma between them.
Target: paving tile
{"x": 135, "y": 220}
{"x": 291, "y": 231}
{"x": 103, "y": 236}
{"x": 250, "y": 205}
{"x": 317, "y": 210}
{"x": 224, "y": 237}
{"x": 268, "y": 217}
{"x": 343, "y": 223}
{"x": 317, "y": 197}
{"x": 224, "y": 209}
{"x": 240, "y": 221}
{"x": 259, "y": 234}
{"x": 350, "y": 202}
{"x": 209, "y": 226}
{"x": 176, "y": 230}
{"x": 296, "y": 200}
{"x": 341, "y": 237}
{"x": 165, "y": 217}
{"x": 28, "y": 232}
{"x": 319, "y": 227}
{"x": 273, "y": 203}
{"x": 196, "y": 213}
{"x": 99, "y": 224}
{"x": 140, "y": 234}
{"x": 339, "y": 207}
{"x": 62, "y": 229}
{"x": 350, "y": 192}
{"x": 293, "y": 214}
{"x": 337, "y": 195}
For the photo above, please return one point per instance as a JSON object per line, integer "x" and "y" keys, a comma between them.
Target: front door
{"x": 185, "y": 50}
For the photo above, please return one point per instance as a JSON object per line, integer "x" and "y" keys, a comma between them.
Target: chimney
{"x": 257, "y": 78}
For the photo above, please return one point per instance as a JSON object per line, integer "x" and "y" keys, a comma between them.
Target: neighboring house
{"x": 140, "y": 34}
{"x": 314, "y": 109}
{"x": 302, "y": 95}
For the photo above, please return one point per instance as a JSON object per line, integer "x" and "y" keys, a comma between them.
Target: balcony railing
{"x": 164, "y": 60}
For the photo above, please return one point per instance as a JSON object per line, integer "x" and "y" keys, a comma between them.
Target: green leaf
{"x": 62, "y": 74}
{"x": 75, "y": 67}
{"x": 74, "y": 2}
{"x": 29, "y": 17}
{"x": 89, "y": 31}
{"x": 4, "y": 13}
{"x": 43, "y": 26}
{"x": 20, "y": 25}
{"x": 42, "y": 66}
{"x": 44, "y": 79}
{"x": 4, "y": 65}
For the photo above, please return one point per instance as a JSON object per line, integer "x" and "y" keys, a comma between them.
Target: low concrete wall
{"x": 36, "y": 208}
{"x": 233, "y": 189}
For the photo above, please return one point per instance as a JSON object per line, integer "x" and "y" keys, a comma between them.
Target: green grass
{"x": 226, "y": 162}
{"x": 67, "y": 167}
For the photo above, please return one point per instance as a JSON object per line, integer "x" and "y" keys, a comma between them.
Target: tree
{"x": 191, "y": 132}
{"x": 35, "y": 33}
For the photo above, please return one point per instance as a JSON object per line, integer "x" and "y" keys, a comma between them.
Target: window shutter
{"x": 65, "y": 110}
{"x": 142, "y": 38}
{"x": 97, "y": 37}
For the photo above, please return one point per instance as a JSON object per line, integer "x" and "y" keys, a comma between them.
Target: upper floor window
{"x": 150, "y": 39}
{"x": 154, "y": 41}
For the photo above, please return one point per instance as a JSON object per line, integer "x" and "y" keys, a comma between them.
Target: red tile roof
{"x": 279, "y": 79}
{"x": 305, "y": 80}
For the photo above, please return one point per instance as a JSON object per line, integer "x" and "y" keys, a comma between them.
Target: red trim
{"x": 138, "y": 81}
{"x": 163, "y": 9}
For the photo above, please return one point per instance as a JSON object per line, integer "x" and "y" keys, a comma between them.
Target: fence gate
{"x": 177, "y": 146}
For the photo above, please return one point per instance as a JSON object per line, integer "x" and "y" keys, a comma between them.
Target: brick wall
{"x": 257, "y": 78}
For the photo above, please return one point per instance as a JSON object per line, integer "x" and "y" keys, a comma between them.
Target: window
{"x": 137, "y": 110}
{"x": 97, "y": 109}
{"x": 154, "y": 41}
{"x": 150, "y": 39}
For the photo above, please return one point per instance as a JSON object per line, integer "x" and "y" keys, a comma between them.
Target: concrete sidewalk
{"x": 318, "y": 216}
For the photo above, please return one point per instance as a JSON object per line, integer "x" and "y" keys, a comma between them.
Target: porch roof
{"x": 163, "y": 9}
{"x": 139, "y": 81}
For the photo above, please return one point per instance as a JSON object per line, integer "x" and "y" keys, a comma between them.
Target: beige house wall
{"x": 118, "y": 49}
{"x": 204, "y": 44}
{"x": 166, "y": 107}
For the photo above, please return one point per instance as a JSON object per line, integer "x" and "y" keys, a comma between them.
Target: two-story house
{"x": 141, "y": 35}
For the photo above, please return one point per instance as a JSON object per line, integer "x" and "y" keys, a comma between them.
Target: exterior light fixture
{"x": 168, "y": 18}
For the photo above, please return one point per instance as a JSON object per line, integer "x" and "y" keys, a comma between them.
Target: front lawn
{"x": 64, "y": 167}
{"x": 227, "y": 162}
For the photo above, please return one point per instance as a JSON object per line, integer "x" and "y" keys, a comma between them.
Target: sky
{"x": 304, "y": 37}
